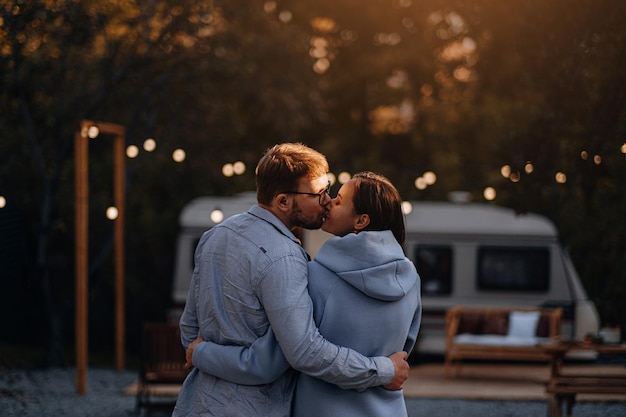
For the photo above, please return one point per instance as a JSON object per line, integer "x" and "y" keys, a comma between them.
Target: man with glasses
{"x": 250, "y": 273}
{"x": 321, "y": 195}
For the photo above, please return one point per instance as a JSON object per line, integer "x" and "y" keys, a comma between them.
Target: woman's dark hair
{"x": 376, "y": 196}
{"x": 283, "y": 165}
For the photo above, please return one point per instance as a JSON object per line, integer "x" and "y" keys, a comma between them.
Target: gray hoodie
{"x": 366, "y": 296}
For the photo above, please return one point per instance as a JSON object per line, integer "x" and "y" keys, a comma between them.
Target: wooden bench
{"x": 563, "y": 390}
{"x": 563, "y": 387}
{"x": 485, "y": 331}
{"x": 162, "y": 363}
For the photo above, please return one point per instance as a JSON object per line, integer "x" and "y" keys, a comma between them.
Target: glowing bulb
{"x": 112, "y": 213}
{"x": 344, "y": 177}
{"x": 132, "y": 151}
{"x": 420, "y": 183}
{"x": 239, "y": 168}
{"x": 430, "y": 177}
{"x": 149, "y": 145}
{"x": 529, "y": 168}
{"x": 179, "y": 155}
{"x": 489, "y": 193}
{"x": 228, "y": 170}
{"x": 93, "y": 132}
{"x": 217, "y": 216}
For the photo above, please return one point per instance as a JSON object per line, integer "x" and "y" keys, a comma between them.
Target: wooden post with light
{"x": 81, "y": 147}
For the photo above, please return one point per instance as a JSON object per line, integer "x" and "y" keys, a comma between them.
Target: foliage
{"x": 182, "y": 73}
{"x": 459, "y": 88}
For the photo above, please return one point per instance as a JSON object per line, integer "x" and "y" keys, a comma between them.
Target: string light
{"x": 93, "y": 132}
{"x": 149, "y": 145}
{"x": 132, "y": 151}
{"x": 179, "y": 155}
{"x": 217, "y": 216}
{"x": 344, "y": 177}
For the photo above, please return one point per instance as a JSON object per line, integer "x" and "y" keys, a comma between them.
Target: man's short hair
{"x": 283, "y": 165}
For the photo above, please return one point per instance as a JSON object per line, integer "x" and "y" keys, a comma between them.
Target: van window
{"x": 434, "y": 265}
{"x": 513, "y": 269}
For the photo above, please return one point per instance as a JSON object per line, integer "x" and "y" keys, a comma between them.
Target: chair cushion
{"x": 523, "y": 324}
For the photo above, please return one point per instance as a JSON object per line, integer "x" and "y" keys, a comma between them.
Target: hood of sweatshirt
{"x": 372, "y": 262}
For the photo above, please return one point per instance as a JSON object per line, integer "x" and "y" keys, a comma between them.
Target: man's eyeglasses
{"x": 321, "y": 195}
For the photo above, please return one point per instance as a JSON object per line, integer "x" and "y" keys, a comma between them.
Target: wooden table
{"x": 563, "y": 386}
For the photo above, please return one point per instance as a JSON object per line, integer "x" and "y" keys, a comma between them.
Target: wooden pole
{"x": 82, "y": 208}
{"x": 119, "y": 192}
{"x": 81, "y": 149}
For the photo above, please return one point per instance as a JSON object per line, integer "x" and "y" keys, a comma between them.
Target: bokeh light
{"x": 420, "y": 183}
{"x": 179, "y": 155}
{"x": 217, "y": 216}
{"x": 285, "y": 16}
{"x": 239, "y": 168}
{"x": 489, "y": 193}
{"x": 269, "y": 6}
{"x": 430, "y": 177}
{"x": 505, "y": 171}
{"x": 228, "y": 170}
{"x": 3, "y": 201}
{"x": 407, "y": 207}
{"x": 344, "y": 177}
{"x": 93, "y": 132}
{"x": 112, "y": 213}
{"x": 149, "y": 145}
{"x": 132, "y": 151}
{"x": 529, "y": 168}
{"x": 560, "y": 177}
{"x": 319, "y": 47}
{"x": 332, "y": 178}
{"x": 321, "y": 66}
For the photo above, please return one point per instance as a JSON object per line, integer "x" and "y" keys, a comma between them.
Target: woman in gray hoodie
{"x": 365, "y": 294}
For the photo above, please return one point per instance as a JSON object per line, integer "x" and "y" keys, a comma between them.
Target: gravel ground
{"x": 52, "y": 392}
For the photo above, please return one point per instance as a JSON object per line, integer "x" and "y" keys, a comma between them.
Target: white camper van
{"x": 466, "y": 254}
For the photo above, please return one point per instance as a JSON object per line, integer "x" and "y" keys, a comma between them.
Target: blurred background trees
{"x": 526, "y": 97}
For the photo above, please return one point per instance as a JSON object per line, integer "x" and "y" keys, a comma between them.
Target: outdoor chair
{"x": 162, "y": 364}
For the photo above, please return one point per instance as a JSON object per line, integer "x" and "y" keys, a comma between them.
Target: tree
{"x": 396, "y": 86}
{"x": 171, "y": 71}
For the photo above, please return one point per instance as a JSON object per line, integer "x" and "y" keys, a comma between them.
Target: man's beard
{"x": 299, "y": 220}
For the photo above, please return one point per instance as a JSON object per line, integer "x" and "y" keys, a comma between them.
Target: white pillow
{"x": 523, "y": 323}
